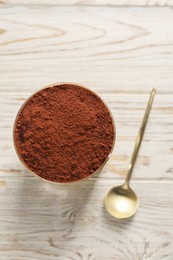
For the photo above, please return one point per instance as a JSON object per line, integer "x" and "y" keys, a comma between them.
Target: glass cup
{"x": 89, "y": 175}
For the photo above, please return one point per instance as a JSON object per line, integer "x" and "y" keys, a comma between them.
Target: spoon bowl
{"x": 121, "y": 202}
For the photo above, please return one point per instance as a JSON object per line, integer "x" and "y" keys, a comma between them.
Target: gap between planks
{"x": 109, "y": 4}
{"x": 118, "y": 92}
{"x": 116, "y": 181}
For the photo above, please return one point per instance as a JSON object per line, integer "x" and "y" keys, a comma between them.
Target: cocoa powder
{"x": 64, "y": 133}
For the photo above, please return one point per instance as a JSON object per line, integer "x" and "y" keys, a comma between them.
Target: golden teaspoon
{"x": 122, "y": 201}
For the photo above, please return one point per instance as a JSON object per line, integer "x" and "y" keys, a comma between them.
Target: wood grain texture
{"x": 108, "y": 49}
{"x": 155, "y": 158}
{"x": 43, "y": 221}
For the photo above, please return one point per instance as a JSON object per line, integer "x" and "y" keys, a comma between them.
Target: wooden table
{"x": 119, "y": 49}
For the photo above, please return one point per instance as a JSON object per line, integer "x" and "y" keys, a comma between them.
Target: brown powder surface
{"x": 64, "y": 133}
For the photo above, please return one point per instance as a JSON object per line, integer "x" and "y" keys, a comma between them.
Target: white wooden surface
{"x": 109, "y": 49}
{"x": 119, "y": 50}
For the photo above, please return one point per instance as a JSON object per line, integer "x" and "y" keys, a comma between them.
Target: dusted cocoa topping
{"x": 64, "y": 133}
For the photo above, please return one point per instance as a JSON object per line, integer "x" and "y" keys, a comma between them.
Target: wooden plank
{"x": 110, "y": 3}
{"x": 155, "y": 158}
{"x": 44, "y": 221}
{"x": 108, "y": 49}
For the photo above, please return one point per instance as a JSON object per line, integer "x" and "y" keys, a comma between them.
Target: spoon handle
{"x": 140, "y": 136}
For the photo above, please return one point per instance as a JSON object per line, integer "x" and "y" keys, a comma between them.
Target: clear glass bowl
{"x": 59, "y": 84}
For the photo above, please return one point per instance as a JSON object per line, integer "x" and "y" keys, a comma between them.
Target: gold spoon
{"x": 122, "y": 201}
